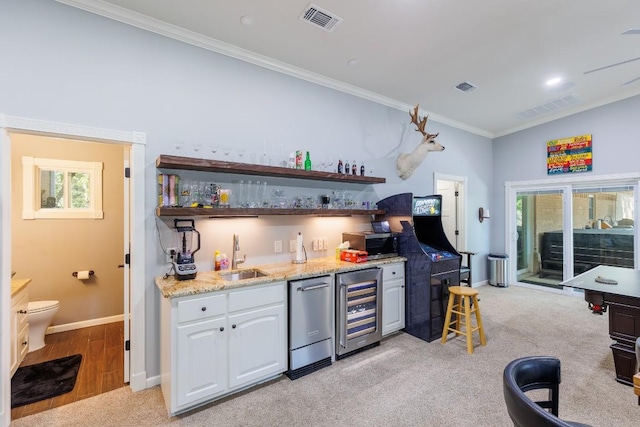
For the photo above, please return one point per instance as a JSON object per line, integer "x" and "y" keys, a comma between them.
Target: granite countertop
{"x": 210, "y": 281}
{"x": 18, "y": 284}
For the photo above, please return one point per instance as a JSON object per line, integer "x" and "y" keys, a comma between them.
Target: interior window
{"x": 54, "y": 188}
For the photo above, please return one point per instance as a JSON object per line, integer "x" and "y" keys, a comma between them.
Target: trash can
{"x": 498, "y": 270}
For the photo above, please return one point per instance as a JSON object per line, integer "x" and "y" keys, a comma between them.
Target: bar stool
{"x": 462, "y": 308}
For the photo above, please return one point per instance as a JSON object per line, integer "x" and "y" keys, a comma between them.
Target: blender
{"x": 184, "y": 263}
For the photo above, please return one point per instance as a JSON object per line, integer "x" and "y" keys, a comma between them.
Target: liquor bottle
{"x": 362, "y": 169}
{"x": 298, "y": 159}
{"x": 339, "y": 165}
{"x": 346, "y": 167}
{"x": 307, "y": 162}
{"x": 354, "y": 168}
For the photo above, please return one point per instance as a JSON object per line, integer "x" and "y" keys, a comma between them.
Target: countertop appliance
{"x": 310, "y": 325}
{"x": 377, "y": 245}
{"x": 184, "y": 263}
{"x": 358, "y": 311}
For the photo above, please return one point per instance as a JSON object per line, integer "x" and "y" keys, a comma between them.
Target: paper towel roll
{"x": 299, "y": 255}
{"x": 83, "y": 275}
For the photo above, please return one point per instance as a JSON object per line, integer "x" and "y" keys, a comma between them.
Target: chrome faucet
{"x": 236, "y": 248}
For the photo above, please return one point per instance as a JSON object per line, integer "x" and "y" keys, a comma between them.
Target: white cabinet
{"x": 19, "y": 329}
{"x": 217, "y": 343}
{"x": 256, "y": 341}
{"x": 203, "y": 356}
{"x": 392, "y": 298}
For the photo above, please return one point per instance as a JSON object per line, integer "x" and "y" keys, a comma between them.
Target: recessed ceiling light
{"x": 352, "y": 62}
{"x": 553, "y": 82}
{"x": 247, "y": 20}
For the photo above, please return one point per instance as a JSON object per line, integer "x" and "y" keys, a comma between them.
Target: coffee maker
{"x": 184, "y": 263}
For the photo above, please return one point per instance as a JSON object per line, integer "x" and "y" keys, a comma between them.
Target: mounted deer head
{"x": 407, "y": 163}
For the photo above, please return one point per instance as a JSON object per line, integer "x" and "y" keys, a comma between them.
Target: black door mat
{"x": 44, "y": 380}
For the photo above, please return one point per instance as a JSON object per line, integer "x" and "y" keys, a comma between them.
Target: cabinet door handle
{"x": 25, "y": 343}
{"x": 233, "y": 326}
{"x": 22, "y": 311}
{"x": 204, "y": 308}
{"x": 221, "y": 328}
{"x": 393, "y": 272}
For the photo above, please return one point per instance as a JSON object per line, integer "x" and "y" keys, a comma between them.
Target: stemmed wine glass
{"x": 330, "y": 164}
{"x": 227, "y": 153}
{"x": 196, "y": 148}
{"x": 177, "y": 145}
{"x": 241, "y": 152}
{"x": 214, "y": 149}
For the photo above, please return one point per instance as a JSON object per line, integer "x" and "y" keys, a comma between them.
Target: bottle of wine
{"x": 307, "y": 162}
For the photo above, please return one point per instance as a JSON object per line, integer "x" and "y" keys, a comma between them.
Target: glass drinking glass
{"x": 196, "y": 146}
{"x": 185, "y": 193}
{"x": 177, "y": 146}
{"x": 214, "y": 149}
{"x": 241, "y": 152}
{"x": 227, "y": 154}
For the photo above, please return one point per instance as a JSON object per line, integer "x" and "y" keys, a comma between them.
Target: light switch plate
{"x": 277, "y": 246}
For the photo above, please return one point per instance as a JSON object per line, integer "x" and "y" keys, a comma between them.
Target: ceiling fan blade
{"x": 631, "y": 81}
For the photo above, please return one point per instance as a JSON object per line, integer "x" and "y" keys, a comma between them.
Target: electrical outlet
{"x": 314, "y": 245}
{"x": 324, "y": 244}
{"x": 277, "y": 246}
{"x": 171, "y": 252}
{"x": 292, "y": 245}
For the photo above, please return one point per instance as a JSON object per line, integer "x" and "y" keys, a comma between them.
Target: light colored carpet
{"x": 408, "y": 382}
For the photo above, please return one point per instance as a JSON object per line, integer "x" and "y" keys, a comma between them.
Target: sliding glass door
{"x": 559, "y": 231}
{"x": 539, "y": 222}
{"x": 603, "y": 231}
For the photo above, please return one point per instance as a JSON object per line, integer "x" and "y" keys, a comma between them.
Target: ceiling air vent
{"x": 319, "y": 17}
{"x": 549, "y": 107}
{"x": 466, "y": 87}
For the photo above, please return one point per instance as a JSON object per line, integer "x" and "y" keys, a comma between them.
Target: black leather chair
{"x": 533, "y": 373}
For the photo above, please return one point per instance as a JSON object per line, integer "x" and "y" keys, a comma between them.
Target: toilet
{"x": 40, "y": 315}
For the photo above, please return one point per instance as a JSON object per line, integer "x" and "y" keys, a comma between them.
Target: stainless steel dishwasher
{"x": 310, "y": 325}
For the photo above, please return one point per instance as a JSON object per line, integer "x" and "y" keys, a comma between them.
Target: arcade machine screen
{"x": 427, "y": 224}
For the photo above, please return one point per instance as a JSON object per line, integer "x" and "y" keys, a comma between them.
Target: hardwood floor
{"x": 101, "y": 370}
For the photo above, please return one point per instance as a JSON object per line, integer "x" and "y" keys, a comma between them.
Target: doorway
{"x": 134, "y": 273}
{"x": 50, "y": 242}
{"x": 453, "y": 191}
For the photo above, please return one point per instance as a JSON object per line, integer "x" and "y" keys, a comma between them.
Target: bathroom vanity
{"x": 19, "y": 322}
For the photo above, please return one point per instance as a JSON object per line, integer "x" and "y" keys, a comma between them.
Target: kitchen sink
{"x": 242, "y": 274}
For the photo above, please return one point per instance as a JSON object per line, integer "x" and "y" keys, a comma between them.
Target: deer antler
{"x": 421, "y": 122}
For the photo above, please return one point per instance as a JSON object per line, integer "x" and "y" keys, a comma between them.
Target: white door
{"x": 127, "y": 271}
{"x": 452, "y": 190}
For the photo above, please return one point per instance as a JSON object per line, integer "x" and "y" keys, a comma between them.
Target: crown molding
{"x": 153, "y": 25}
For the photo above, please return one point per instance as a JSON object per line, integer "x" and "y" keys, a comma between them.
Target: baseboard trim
{"x": 153, "y": 381}
{"x": 84, "y": 324}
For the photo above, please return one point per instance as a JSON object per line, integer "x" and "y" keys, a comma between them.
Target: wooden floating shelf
{"x": 189, "y": 163}
{"x": 248, "y": 212}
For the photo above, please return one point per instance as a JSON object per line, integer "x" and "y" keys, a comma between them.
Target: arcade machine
{"x": 432, "y": 262}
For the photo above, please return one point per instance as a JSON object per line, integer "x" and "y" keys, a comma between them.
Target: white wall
{"x": 66, "y": 65}
{"x": 615, "y": 131}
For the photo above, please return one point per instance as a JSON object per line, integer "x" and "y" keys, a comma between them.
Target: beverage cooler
{"x": 358, "y": 311}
